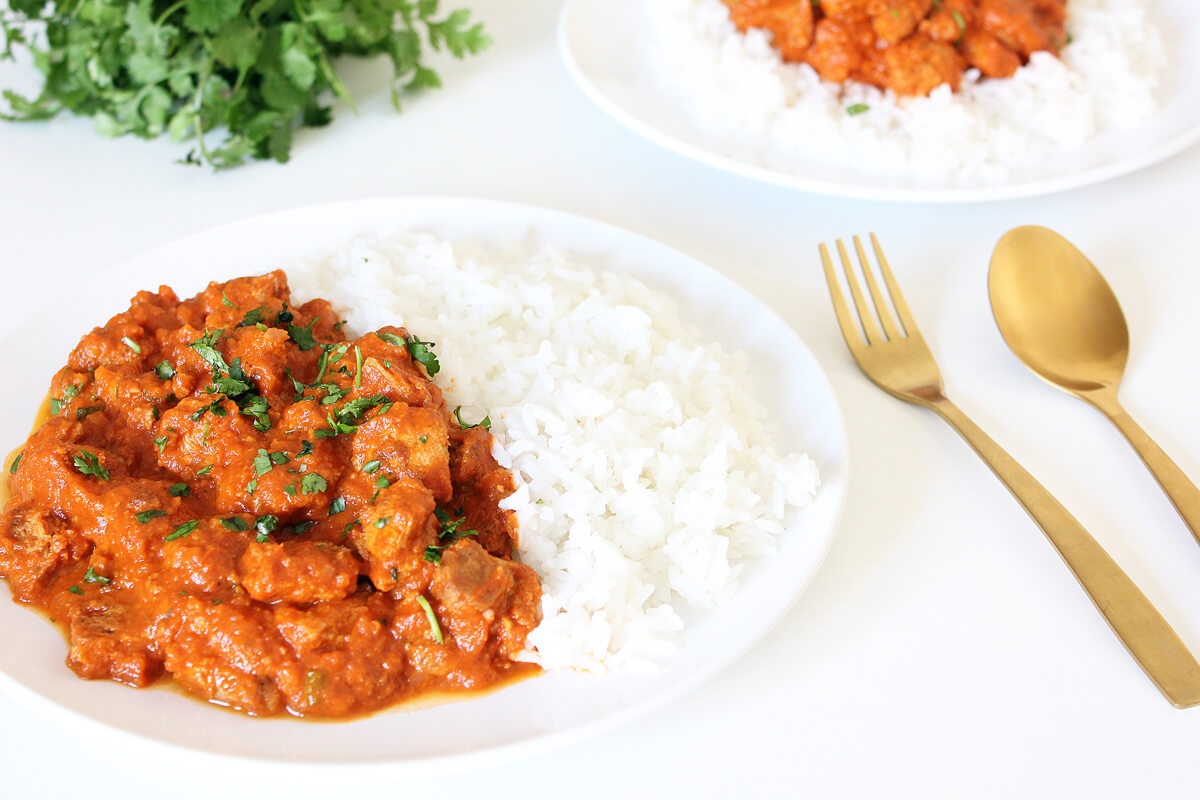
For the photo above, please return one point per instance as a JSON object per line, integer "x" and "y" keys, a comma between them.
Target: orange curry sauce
{"x": 230, "y": 493}
{"x": 909, "y": 46}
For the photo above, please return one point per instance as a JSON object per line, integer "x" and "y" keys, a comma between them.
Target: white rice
{"x": 647, "y": 474}
{"x": 737, "y": 87}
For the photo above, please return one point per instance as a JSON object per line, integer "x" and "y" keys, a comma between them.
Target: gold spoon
{"x": 1060, "y": 317}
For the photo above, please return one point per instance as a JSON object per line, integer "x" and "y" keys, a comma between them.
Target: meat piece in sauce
{"x": 477, "y": 589}
{"x": 909, "y": 46}
{"x": 790, "y": 22}
{"x": 297, "y": 572}
{"x": 251, "y": 503}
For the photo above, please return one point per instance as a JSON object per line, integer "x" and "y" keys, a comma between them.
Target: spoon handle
{"x": 1149, "y": 638}
{"x": 1182, "y": 493}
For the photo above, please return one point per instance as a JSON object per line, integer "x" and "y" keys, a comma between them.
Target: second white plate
{"x": 604, "y": 48}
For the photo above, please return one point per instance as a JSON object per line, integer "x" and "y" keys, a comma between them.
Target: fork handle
{"x": 1139, "y": 626}
{"x": 1182, "y": 493}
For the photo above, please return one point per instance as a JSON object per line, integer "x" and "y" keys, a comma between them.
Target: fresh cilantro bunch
{"x": 255, "y": 68}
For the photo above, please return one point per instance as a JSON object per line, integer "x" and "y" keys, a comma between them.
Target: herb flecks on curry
{"x": 909, "y": 46}
{"x": 230, "y": 493}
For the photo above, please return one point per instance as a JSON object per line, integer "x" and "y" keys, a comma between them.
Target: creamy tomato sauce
{"x": 230, "y": 493}
{"x": 908, "y": 46}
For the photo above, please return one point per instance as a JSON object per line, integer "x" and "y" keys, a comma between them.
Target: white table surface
{"x": 943, "y": 650}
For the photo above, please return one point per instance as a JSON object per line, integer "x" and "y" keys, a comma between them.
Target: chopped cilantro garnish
{"x": 301, "y": 527}
{"x": 264, "y": 525}
{"x": 204, "y": 470}
{"x": 485, "y": 423}
{"x": 448, "y": 529}
{"x": 81, "y": 413}
{"x": 251, "y": 486}
{"x": 433, "y": 554}
{"x": 312, "y": 483}
{"x": 371, "y": 466}
{"x": 16, "y": 463}
{"x": 91, "y": 577}
{"x": 434, "y": 628}
{"x": 382, "y": 522}
{"x": 132, "y": 345}
{"x": 145, "y": 516}
{"x": 55, "y": 406}
{"x": 284, "y": 316}
{"x": 253, "y": 317}
{"x": 262, "y": 463}
{"x": 235, "y": 524}
{"x": 179, "y": 490}
{"x": 89, "y": 464}
{"x": 225, "y": 300}
{"x": 337, "y": 506}
{"x": 306, "y": 447}
{"x": 390, "y": 338}
{"x": 381, "y": 483}
{"x": 423, "y": 438}
{"x": 290, "y": 489}
{"x": 303, "y": 337}
{"x": 164, "y": 370}
{"x": 74, "y": 590}
{"x": 182, "y": 530}
{"x": 857, "y": 108}
{"x": 422, "y": 353}
{"x": 253, "y": 405}
{"x": 358, "y": 361}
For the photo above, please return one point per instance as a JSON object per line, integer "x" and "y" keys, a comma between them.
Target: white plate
{"x": 604, "y": 51}
{"x": 537, "y": 714}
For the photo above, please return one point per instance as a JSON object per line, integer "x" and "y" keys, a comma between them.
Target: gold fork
{"x": 899, "y": 361}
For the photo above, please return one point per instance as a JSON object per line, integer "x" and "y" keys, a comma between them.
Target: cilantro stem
{"x": 163, "y": 17}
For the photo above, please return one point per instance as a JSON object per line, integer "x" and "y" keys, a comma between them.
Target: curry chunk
{"x": 407, "y": 442}
{"x": 297, "y": 572}
{"x": 101, "y": 648}
{"x": 908, "y": 46}
{"x": 790, "y": 21}
{"x": 487, "y": 596}
{"x": 392, "y": 540}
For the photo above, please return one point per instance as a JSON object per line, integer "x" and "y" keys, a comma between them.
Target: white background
{"x": 943, "y": 651}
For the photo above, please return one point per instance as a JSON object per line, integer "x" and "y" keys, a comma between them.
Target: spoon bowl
{"x": 1058, "y": 314}
{"x": 1056, "y": 311}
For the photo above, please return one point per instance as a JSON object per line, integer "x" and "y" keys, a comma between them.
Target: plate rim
{"x": 758, "y": 172}
{"x": 41, "y": 703}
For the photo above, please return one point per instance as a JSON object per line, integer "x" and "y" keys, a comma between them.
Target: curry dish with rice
{"x": 229, "y": 492}
{"x": 909, "y": 46}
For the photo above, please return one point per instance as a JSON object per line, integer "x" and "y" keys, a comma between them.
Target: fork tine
{"x": 865, "y": 316}
{"x": 845, "y": 320}
{"x": 906, "y": 317}
{"x": 885, "y": 316}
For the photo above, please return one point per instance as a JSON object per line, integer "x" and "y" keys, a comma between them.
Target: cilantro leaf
{"x": 312, "y": 483}
{"x": 89, "y": 464}
{"x": 91, "y": 577}
{"x": 182, "y": 530}
{"x": 423, "y": 354}
{"x": 485, "y": 423}
{"x": 264, "y": 525}
{"x": 303, "y": 337}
